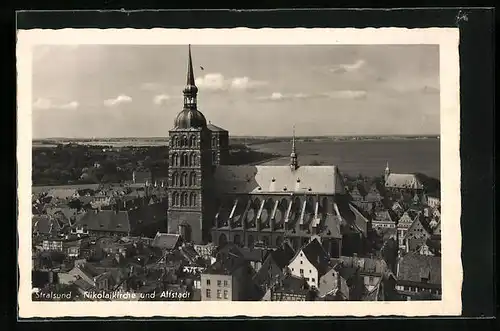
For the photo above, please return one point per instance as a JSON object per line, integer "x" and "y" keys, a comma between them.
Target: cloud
{"x": 159, "y": 99}
{"x": 342, "y": 94}
{"x": 347, "y": 94}
{"x": 121, "y": 99}
{"x": 42, "y": 103}
{"x": 217, "y": 82}
{"x": 70, "y": 105}
{"x": 342, "y": 68}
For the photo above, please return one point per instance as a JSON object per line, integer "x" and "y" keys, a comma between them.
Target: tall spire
{"x": 293, "y": 156}
{"x": 190, "y": 90}
{"x": 190, "y": 72}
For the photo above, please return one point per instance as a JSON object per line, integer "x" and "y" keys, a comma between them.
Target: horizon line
{"x": 255, "y": 136}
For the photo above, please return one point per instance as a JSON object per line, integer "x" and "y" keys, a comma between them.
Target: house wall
{"x": 309, "y": 271}
{"x": 211, "y": 283}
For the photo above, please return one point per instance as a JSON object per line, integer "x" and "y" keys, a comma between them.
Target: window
{"x": 370, "y": 279}
{"x": 313, "y": 280}
{"x": 302, "y": 272}
{"x": 219, "y": 283}
{"x": 307, "y": 279}
{"x": 208, "y": 282}
{"x": 192, "y": 179}
{"x": 225, "y": 294}
{"x": 300, "y": 261}
{"x": 219, "y": 294}
{"x": 225, "y": 283}
{"x": 208, "y": 293}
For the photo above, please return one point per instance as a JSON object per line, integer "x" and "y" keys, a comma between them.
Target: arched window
{"x": 192, "y": 179}
{"x": 184, "y": 141}
{"x": 175, "y": 179}
{"x": 175, "y": 199}
{"x": 192, "y": 141}
{"x": 184, "y": 179}
{"x": 192, "y": 159}
{"x": 175, "y": 141}
{"x": 192, "y": 199}
{"x": 184, "y": 199}
{"x": 214, "y": 141}
{"x": 184, "y": 159}
{"x": 175, "y": 160}
{"x": 237, "y": 239}
{"x": 214, "y": 157}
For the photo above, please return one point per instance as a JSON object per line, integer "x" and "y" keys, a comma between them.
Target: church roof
{"x": 215, "y": 128}
{"x": 409, "y": 181}
{"x": 279, "y": 179}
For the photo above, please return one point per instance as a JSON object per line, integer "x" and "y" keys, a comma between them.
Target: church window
{"x": 175, "y": 141}
{"x": 214, "y": 141}
{"x": 214, "y": 157}
{"x": 175, "y": 199}
{"x": 192, "y": 199}
{"x": 175, "y": 160}
{"x": 192, "y": 179}
{"x": 184, "y": 199}
{"x": 184, "y": 141}
{"x": 175, "y": 179}
{"x": 192, "y": 159}
{"x": 184, "y": 159}
{"x": 184, "y": 179}
{"x": 192, "y": 141}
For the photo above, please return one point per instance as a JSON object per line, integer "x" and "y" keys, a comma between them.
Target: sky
{"x": 102, "y": 91}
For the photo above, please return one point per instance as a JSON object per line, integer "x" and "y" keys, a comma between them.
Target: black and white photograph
{"x": 209, "y": 171}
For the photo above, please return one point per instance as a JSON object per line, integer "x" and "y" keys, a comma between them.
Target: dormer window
{"x": 284, "y": 188}
{"x": 298, "y": 180}
{"x": 273, "y": 180}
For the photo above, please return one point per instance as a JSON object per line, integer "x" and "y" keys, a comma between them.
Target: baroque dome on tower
{"x": 190, "y": 118}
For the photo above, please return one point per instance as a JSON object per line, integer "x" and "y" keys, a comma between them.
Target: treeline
{"x": 82, "y": 164}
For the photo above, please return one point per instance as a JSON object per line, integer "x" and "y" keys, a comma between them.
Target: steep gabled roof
{"x": 215, "y": 128}
{"x": 165, "y": 240}
{"x": 408, "y": 181}
{"x": 413, "y": 267}
{"x": 278, "y": 179}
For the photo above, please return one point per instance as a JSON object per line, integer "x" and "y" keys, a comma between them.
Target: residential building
{"x": 419, "y": 276}
{"x": 310, "y": 262}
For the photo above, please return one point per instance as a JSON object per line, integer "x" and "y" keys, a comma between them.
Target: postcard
{"x": 238, "y": 172}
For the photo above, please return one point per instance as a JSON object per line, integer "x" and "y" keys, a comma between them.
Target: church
{"x": 250, "y": 205}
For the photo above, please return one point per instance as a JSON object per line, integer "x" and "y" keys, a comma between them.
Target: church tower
{"x": 387, "y": 172}
{"x": 190, "y": 169}
{"x": 294, "y": 163}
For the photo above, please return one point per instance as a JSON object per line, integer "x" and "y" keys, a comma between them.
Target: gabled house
{"x": 404, "y": 224}
{"x": 332, "y": 286}
{"x": 310, "y": 262}
{"x": 273, "y": 266}
{"x": 416, "y": 235}
{"x": 383, "y": 220}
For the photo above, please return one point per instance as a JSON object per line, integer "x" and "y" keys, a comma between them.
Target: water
{"x": 368, "y": 157}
